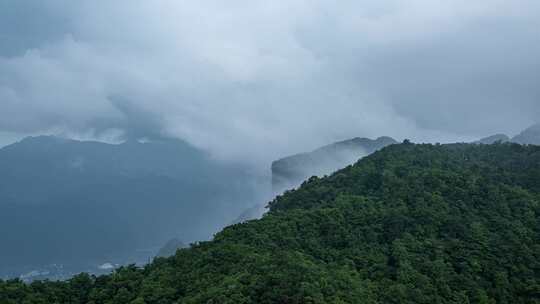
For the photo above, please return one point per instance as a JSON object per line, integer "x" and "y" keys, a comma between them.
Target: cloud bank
{"x": 255, "y": 80}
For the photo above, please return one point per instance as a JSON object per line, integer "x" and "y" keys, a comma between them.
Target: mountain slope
{"x": 408, "y": 224}
{"x": 289, "y": 172}
{"x": 85, "y": 203}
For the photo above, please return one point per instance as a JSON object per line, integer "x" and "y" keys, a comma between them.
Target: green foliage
{"x": 409, "y": 224}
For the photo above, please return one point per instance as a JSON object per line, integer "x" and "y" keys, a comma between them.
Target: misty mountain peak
{"x": 290, "y": 171}
{"x": 530, "y": 136}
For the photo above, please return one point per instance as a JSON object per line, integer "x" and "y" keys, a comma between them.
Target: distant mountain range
{"x": 529, "y": 136}
{"x": 289, "y": 172}
{"x": 74, "y": 202}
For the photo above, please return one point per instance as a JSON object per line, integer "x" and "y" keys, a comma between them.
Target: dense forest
{"x": 411, "y": 223}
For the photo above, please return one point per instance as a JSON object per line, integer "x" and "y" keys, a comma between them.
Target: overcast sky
{"x": 256, "y": 80}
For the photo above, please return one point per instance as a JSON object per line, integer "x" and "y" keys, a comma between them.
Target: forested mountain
{"x": 85, "y": 203}
{"x": 411, "y": 223}
{"x": 289, "y": 172}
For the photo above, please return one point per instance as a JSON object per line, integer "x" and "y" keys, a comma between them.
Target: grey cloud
{"x": 255, "y": 80}
{"x": 28, "y": 24}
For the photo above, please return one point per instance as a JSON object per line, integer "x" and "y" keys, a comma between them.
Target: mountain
{"x": 80, "y": 203}
{"x": 530, "y": 136}
{"x": 493, "y": 139}
{"x": 408, "y": 224}
{"x": 290, "y": 171}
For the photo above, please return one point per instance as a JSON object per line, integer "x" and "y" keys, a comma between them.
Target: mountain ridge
{"x": 290, "y": 171}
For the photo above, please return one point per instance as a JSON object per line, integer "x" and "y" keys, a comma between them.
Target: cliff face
{"x": 289, "y": 172}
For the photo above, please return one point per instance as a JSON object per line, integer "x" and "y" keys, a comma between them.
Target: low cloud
{"x": 252, "y": 80}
